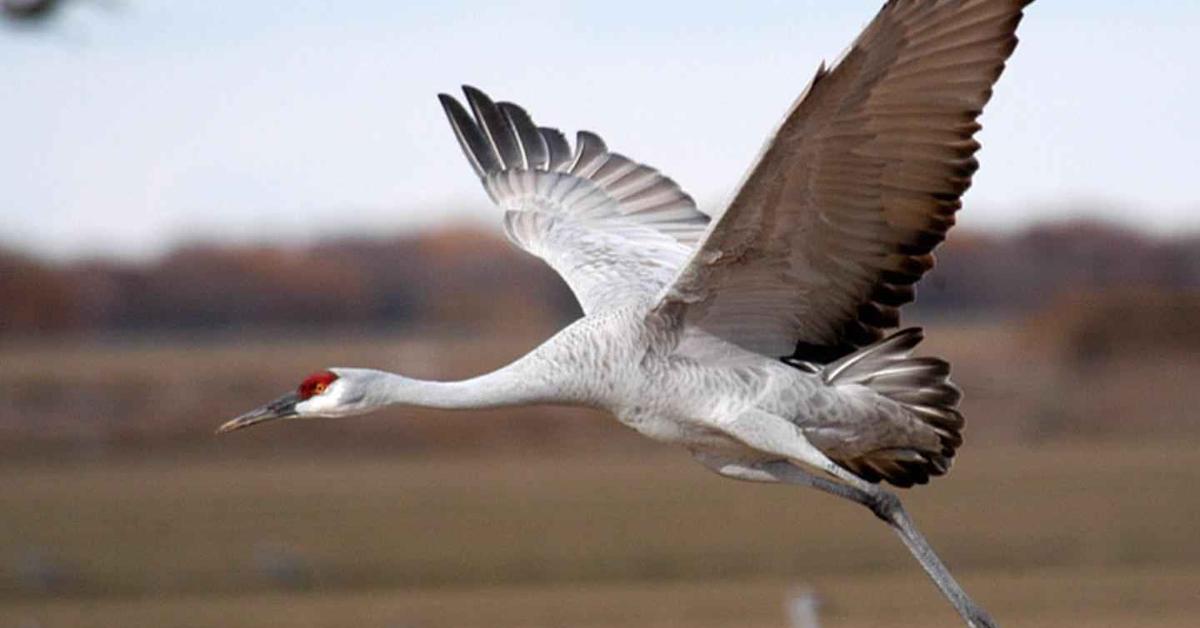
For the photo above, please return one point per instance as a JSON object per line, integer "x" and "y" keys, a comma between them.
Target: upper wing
{"x": 838, "y": 218}
{"x": 614, "y": 229}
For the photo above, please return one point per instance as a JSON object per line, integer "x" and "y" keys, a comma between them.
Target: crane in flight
{"x": 758, "y": 340}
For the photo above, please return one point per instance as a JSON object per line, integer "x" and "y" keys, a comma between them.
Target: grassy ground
{"x": 1040, "y": 599}
{"x": 1076, "y": 535}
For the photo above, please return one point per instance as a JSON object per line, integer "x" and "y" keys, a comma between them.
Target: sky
{"x": 128, "y": 127}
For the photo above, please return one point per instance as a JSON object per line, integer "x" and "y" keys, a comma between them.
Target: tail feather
{"x": 864, "y": 362}
{"x": 922, "y": 387}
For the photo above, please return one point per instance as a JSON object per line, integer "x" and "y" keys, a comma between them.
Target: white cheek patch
{"x": 318, "y": 405}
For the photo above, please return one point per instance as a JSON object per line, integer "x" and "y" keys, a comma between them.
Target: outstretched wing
{"x": 614, "y": 229}
{"x": 838, "y": 218}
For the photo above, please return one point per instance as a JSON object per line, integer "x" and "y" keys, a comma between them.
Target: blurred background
{"x": 205, "y": 202}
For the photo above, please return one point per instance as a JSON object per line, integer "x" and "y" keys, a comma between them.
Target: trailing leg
{"x": 885, "y": 504}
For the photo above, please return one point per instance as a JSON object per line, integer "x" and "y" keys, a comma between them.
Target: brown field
{"x": 135, "y": 515}
{"x": 1055, "y": 536}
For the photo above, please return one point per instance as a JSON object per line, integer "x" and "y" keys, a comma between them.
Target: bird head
{"x": 329, "y": 393}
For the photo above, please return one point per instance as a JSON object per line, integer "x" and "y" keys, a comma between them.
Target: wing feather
{"x": 839, "y": 216}
{"x": 496, "y": 127}
{"x": 556, "y": 144}
{"x": 474, "y": 143}
{"x": 616, "y": 230}
{"x": 533, "y": 147}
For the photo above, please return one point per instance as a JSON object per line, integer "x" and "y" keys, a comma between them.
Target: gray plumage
{"x": 757, "y": 341}
{"x": 589, "y": 220}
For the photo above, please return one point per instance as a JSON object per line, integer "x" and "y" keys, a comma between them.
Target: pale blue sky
{"x": 129, "y": 127}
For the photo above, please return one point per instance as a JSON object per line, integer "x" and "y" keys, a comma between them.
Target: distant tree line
{"x": 471, "y": 279}
{"x": 1025, "y": 270}
{"x": 447, "y": 278}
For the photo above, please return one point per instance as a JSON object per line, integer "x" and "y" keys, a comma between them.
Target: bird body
{"x": 626, "y": 361}
{"x": 757, "y": 340}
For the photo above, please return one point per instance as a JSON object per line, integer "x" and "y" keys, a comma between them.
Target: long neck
{"x": 496, "y": 389}
{"x": 520, "y": 383}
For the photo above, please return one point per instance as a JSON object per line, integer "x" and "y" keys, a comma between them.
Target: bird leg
{"x": 885, "y": 504}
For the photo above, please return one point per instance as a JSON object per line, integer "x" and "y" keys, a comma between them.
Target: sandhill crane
{"x": 757, "y": 341}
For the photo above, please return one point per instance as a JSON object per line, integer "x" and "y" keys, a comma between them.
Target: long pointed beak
{"x": 281, "y": 408}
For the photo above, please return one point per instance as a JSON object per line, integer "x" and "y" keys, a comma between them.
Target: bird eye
{"x": 315, "y": 384}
